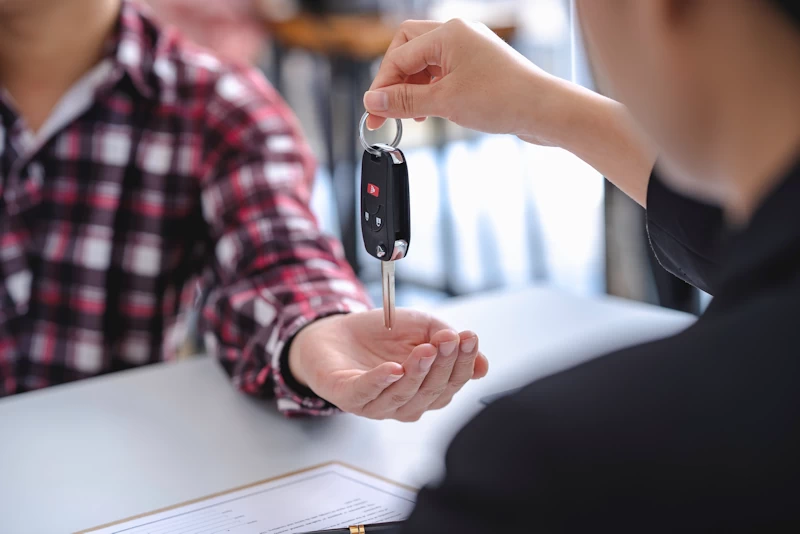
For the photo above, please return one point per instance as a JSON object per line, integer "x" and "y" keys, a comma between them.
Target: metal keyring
{"x": 367, "y": 146}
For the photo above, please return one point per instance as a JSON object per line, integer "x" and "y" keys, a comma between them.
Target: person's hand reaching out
{"x": 355, "y": 363}
{"x": 463, "y": 72}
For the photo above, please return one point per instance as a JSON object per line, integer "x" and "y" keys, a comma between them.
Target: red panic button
{"x": 373, "y": 190}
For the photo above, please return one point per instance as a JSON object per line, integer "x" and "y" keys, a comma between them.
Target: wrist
{"x": 301, "y": 351}
{"x": 294, "y": 360}
{"x": 539, "y": 103}
{"x": 573, "y": 116}
{"x": 602, "y": 132}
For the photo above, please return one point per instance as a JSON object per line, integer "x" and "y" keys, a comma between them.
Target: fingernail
{"x": 391, "y": 379}
{"x": 447, "y": 348}
{"x": 468, "y": 345}
{"x": 376, "y": 101}
{"x": 426, "y": 363}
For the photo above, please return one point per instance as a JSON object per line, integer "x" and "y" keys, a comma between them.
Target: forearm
{"x": 252, "y": 326}
{"x": 602, "y": 133}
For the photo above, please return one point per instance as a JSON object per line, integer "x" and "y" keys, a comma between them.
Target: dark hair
{"x": 791, "y": 8}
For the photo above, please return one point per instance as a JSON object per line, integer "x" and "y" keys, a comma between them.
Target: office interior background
{"x": 488, "y": 212}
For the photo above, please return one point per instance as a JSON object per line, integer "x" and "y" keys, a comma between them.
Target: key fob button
{"x": 370, "y": 205}
{"x": 378, "y": 220}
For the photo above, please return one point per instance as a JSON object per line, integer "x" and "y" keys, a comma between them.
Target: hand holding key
{"x": 463, "y": 72}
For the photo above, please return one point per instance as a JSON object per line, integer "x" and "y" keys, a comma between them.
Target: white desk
{"x": 91, "y": 452}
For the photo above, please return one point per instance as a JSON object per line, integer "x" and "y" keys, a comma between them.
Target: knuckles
{"x": 360, "y": 398}
{"x": 405, "y": 99}
{"x": 457, "y": 24}
{"x": 432, "y": 393}
{"x": 400, "y": 399}
{"x": 408, "y": 25}
{"x": 455, "y": 384}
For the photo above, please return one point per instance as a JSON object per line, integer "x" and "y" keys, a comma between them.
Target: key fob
{"x": 385, "y": 210}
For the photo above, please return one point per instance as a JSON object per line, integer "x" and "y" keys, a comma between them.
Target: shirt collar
{"x": 767, "y": 250}
{"x": 134, "y": 46}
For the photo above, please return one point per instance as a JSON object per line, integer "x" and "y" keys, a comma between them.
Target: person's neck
{"x": 760, "y": 140}
{"x": 46, "y": 46}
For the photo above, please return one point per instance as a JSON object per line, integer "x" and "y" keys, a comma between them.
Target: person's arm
{"x": 684, "y": 234}
{"x": 502, "y": 475}
{"x": 465, "y": 73}
{"x": 275, "y": 271}
{"x": 606, "y": 446}
{"x": 278, "y": 315}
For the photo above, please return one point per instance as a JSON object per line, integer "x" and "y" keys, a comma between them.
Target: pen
{"x": 392, "y": 527}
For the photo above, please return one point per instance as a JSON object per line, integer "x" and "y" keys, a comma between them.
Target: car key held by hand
{"x": 385, "y": 211}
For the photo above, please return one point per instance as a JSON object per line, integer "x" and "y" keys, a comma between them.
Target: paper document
{"x": 329, "y": 496}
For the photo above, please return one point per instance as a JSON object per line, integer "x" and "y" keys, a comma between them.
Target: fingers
{"x": 373, "y": 121}
{"x": 409, "y": 58}
{"x": 393, "y": 92}
{"x": 396, "y": 395}
{"x": 438, "y": 378}
{"x": 403, "y": 101}
{"x": 481, "y": 367}
{"x": 420, "y": 78}
{"x": 368, "y": 386}
{"x": 409, "y": 30}
{"x": 463, "y": 370}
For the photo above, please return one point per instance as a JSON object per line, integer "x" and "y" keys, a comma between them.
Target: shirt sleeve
{"x": 685, "y": 234}
{"x": 274, "y": 271}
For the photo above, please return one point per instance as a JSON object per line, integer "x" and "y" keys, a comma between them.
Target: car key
{"x": 385, "y": 210}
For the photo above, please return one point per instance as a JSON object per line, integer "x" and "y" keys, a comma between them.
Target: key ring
{"x": 367, "y": 146}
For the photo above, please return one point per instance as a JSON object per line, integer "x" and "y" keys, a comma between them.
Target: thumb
{"x": 402, "y": 101}
{"x": 368, "y": 386}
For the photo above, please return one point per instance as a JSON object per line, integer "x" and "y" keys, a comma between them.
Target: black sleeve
{"x": 684, "y": 234}
{"x": 594, "y": 448}
{"x": 494, "y": 481}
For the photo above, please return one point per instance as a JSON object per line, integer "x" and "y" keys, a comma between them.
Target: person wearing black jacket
{"x": 697, "y": 432}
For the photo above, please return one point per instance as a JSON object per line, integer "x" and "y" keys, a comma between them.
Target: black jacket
{"x": 697, "y": 432}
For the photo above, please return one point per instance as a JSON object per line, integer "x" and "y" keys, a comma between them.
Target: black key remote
{"x": 385, "y": 210}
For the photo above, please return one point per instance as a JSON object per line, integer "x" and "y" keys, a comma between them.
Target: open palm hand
{"x": 355, "y": 363}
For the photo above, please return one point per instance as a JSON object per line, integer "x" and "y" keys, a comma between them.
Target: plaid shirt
{"x": 160, "y": 166}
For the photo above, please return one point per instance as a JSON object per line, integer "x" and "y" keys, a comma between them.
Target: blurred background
{"x": 488, "y": 212}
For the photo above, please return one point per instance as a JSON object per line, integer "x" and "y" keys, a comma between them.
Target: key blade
{"x": 387, "y": 275}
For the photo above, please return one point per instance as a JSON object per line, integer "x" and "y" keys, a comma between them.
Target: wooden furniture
{"x": 360, "y": 37}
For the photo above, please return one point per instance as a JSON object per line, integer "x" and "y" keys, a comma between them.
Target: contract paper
{"x": 329, "y": 496}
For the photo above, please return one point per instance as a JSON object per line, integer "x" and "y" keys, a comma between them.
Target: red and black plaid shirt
{"x": 160, "y": 165}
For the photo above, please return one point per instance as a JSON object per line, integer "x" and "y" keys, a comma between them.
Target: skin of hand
{"x": 465, "y": 73}
{"x": 361, "y": 367}
{"x": 460, "y": 71}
